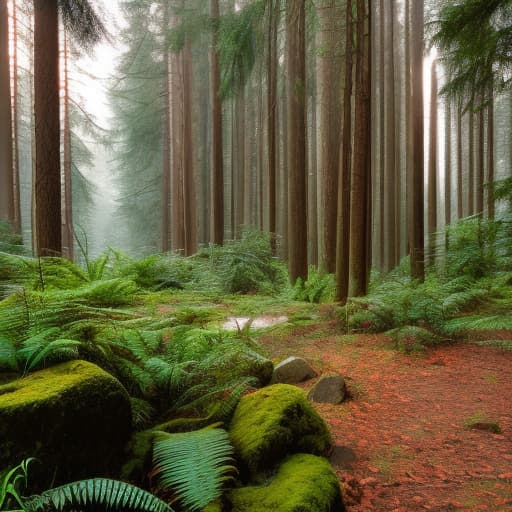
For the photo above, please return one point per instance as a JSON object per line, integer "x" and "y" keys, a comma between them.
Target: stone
{"x": 73, "y": 417}
{"x": 272, "y": 423}
{"x": 292, "y": 370}
{"x": 303, "y": 483}
{"x": 343, "y": 456}
{"x": 330, "y": 389}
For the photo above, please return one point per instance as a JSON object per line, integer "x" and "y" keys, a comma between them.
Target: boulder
{"x": 304, "y": 483}
{"x": 273, "y": 422}
{"x": 292, "y": 370}
{"x": 74, "y": 418}
{"x": 330, "y": 389}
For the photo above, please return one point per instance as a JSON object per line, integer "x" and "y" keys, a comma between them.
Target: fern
{"x": 99, "y": 493}
{"x": 194, "y": 465}
{"x": 479, "y": 323}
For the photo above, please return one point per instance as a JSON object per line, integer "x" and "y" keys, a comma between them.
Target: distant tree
{"x": 432, "y": 167}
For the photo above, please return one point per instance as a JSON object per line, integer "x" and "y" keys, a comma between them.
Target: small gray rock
{"x": 292, "y": 370}
{"x": 330, "y": 389}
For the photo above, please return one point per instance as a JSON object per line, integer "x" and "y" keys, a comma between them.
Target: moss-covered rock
{"x": 304, "y": 483}
{"x": 74, "y": 417}
{"x": 272, "y": 423}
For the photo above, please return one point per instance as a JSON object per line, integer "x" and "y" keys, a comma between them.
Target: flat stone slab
{"x": 292, "y": 370}
{"x": 330, "y": 389}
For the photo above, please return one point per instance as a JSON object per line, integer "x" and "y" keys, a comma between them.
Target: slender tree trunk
{"x": 240, "y": 150}
{"x": 67, "y": 227}
{"x": 360, "y": 212}
{"x": 397, "y": 112}
{"x": 382, "y": 135}
{"x": 471, "y": 169}
{"x": 448, "y": 164}
{"x": 46, "y": 111}
{"x": 6, "y": 135}
{"x": 390, "y": 162}
{"x": 272, "y": 125}
{"x": 177, "y": 176}
{"x": 432, "y": 167}
{"x": 490, "y": 158}
{"x": 408, "y": 126}
{"x": 189, "y": 193}
{"x": 217, "y": 173}
{"x": 480, "y": 169}
{"x": 329, "y": 67}
{"x": 15, "y": 131}
{"x": 460, "y": 211}
{"x": 166, "y": 149}
{"x": 344, "y": 184}
{"x": 416, "y": 226}
{"x": 296, "y": 144}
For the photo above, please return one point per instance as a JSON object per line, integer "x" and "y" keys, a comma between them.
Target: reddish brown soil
{"x": 408, "y": 422}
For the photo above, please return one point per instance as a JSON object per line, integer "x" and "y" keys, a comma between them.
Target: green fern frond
{"x": 195, "y": 465}
{"x": 100, "y": 493}
{"x": 479, "y": 323}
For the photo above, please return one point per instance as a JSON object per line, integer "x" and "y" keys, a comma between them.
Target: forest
{"x": 256, "y": 255}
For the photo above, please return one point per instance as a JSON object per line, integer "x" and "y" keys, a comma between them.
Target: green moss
{"x": 273, "y": 422}
{"x": 74, "y": 417}
{"x": 304, "y": 483}
{"x": 214, "y": 506}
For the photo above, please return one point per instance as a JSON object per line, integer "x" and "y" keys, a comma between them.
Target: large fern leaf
{"x": 479, "y": 323}
{"x": 96, "y": 494}
{"x": 193, "y": 464}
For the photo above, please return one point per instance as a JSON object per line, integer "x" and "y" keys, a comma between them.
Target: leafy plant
{"x": 194, "y": 465}
{"x": 97, "y": 492}
{"x": 9, "y": 484}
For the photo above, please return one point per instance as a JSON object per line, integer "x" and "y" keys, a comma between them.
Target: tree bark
{"x": 329, "y": 68}
{"x": 189, "y": 182}
{"x": 344, "y": 184}
{"x": 490, "y": 158}
{"x": 217, "y": 170}
{"x": 47, "y": 140}
{"x": 360, "y": 211}
{"x": 432, "y": 167}
{"x": 67, "y": 227}
{"x": 6, "y": 135}
{"x": 448, "y": 164}
{"x": 460, "y": 210}
{"x": 15, "y": 131}
{"x": 416, "y": 226}
{"x": 296, "y": 139}
{"x": 272, "y": 125}
{"x": 480, "y": 169}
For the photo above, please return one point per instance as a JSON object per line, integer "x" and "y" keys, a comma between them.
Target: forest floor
{"x": 417, "y": 431}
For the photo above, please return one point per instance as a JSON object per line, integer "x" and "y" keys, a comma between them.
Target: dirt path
{"x": 403, "y": 443}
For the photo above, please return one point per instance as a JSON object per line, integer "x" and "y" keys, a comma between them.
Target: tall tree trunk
{"x": 416, "y": 225}
{"x": 217, "y": 172}
{"x": 15, "y": 136}
{"x": 166, "y": 148}
{"x": 296, "y": 143}
{"x": 177, "y": 176}
{"x": 448, "y": 164}
{"x": 189, "y": 182}
{"x": 490, "y": 158}
{"x": 67, "y": 226}
{"x": 432, "y": 167}
{"x": 460, "y": 210}
{"x": 390, "y": 162}
{"x": 382, "y": 135}
{"x": 480, "y": 169}
{"x": 47, "y": 141}
{"x": 329, "y": 67}
{"x": 408, "y": 125}
{"x": 471, "y": 169}
{"x": 272, "y": 124}
{"x": 360, "y": 212}
{"x": 6, "y": 135}
{"x": 344, "y": 184}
